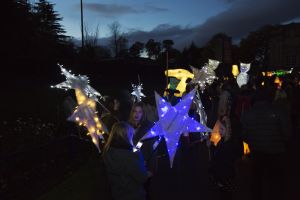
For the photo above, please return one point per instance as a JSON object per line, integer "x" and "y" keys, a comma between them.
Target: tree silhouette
{"x": 34, "y": 31}
{"x": 168, "y": 44}
{"x": 136, "y": 49}
{"x": 255, "y": 45}
{"x": 48, "y": 21}
{"x": 153, "y": 48}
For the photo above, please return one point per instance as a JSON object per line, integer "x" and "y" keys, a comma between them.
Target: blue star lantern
{"x": 173, "y": 121}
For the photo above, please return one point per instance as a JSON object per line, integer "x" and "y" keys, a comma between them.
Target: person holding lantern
{"x": 267, "y": 129}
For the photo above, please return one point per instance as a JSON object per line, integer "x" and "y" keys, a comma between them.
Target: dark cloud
{"x": 160, "y": 33}
{"x": 242, "y": 17}
{"x": 151, "y": 8}
{"x": 245, "y": 16}
{"x": 112, "y": 10}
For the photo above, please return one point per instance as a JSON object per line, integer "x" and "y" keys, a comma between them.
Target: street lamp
{"x": 81, "y": 16}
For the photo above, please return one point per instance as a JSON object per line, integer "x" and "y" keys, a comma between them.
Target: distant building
{"x": 284, "y": 47}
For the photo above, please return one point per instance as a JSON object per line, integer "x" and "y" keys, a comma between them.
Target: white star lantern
{"x": 137, "y": 92}
{"x": 173, "y": 121}
{"x": 85, "y": 113}
{"x": 243, "y": 77}
{"x": 206, "y": 75}
{"x": 77, "y": 82}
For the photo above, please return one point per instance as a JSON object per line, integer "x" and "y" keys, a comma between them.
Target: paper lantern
{"x": 182, "y": 75}
{"x": 246, "y": 148}
{"x": 77, "y": 82}
{"x": 85, "y": 114}
{"x": 206, "y": 75}
{"x": 215, "y": 135}
{"x": 137, "y": 92}
{"x": 243, "y": 77}
{"x": 269, "y": 74}
{"x": 278, "y": 81}
{"x": 173, "y": 121}
{"x": 235, "y": 70}
{"x": 281, "y": 72}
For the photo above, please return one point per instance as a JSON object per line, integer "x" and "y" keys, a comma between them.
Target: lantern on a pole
{"x": 235, "y": 70}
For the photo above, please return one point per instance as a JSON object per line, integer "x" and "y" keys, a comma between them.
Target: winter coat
{"x": 266, "y": 128}
{"x": 126, "y": 173}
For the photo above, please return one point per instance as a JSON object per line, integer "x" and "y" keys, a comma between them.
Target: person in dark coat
{"x": 266, "y": 128}
{"x": 125, "y": 169}
{"x": 227, "y": 151}
{"x": 138, "y": 119}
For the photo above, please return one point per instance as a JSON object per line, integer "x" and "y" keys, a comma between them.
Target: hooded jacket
{"x": 126, "y": 173}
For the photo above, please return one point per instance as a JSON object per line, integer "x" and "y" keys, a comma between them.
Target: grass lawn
{"x": 87, "y": 183}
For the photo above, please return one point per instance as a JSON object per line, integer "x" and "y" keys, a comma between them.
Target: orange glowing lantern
{"x": 246, "y": 148}
{"x": 215, "y": 136}
{"x": 269, "y": 74}
{"x": 278, "y": 81}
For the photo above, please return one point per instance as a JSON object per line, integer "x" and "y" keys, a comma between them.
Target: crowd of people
{"x": 260, "y": 113}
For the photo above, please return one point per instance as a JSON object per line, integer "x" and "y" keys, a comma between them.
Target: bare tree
{"x": 91, "y": 38}
{"x": 118, "y": 41}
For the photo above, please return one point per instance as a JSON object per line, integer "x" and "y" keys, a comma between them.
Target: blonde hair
{"x": 120, "y": 131}
{"x": 138, "y": 104}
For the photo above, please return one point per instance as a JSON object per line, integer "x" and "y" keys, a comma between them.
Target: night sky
{"x": 182, "y": 21}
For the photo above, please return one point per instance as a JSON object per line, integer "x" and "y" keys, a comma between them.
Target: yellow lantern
{"x": 246, "y": 148}
{"x": 235, "y": 70}
{"x": 182, "y": 75}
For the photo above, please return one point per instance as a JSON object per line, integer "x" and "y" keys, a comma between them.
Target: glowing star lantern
{"x": 246, "y": 148}
{"x": 235, "y": 71}
{"x": 173, "y": 121}
{"x": 77, "y": 82}
{"x": 182, "y": 75}
{"x": 243, "y": 77}
{"x": 206, "y": 75}
{"x": 85, "y": 114}
{"x": 137, "y": 92}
